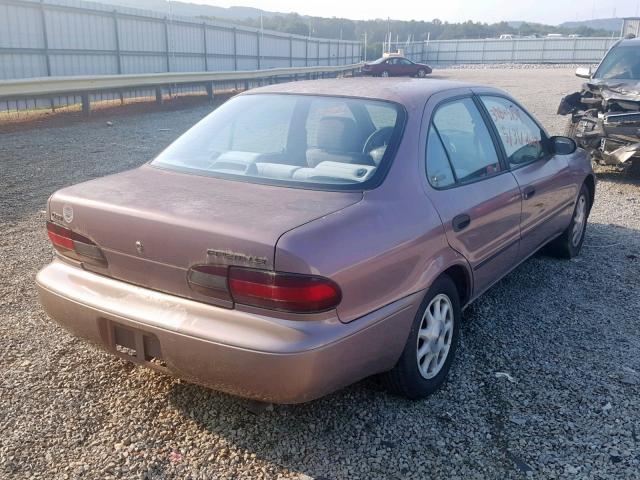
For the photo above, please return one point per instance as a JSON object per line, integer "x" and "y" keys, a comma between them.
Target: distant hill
{"x": 193, "y": 10}
{"x": 609, "y": 24}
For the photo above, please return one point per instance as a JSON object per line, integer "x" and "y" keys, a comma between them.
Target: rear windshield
{"x": 294, "y": 140}
{"x": 621, "y": 63}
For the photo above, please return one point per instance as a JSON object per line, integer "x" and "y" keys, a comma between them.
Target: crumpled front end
{"x": 605, "y": 121}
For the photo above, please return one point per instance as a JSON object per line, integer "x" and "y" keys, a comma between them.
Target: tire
{"x": 416, "y": 377}
{"x": 422, "y": 73}
{"x": 384, "y": 74}
{"x": 569, "y": 244}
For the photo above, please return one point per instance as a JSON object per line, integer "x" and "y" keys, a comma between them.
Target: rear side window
{"x": 522, "y": 139}
{"x": 438, "y": 167}
{"x": 466, "y": 140}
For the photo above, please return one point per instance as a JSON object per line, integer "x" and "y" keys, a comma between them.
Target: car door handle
{"x": 528, "y": 192}
{"x": 460, "y": 222}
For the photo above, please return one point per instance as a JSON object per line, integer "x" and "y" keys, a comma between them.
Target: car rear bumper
{"x": 242, "y": 353}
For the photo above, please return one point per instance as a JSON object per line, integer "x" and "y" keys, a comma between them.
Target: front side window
{"x": 466, "y": 139}
{"x": 522, "y": 139}
{"x": 305, "y": 140}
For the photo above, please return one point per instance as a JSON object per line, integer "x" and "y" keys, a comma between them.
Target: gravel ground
{"x": 546, "y": 384}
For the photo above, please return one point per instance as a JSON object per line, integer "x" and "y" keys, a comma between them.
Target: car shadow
{"x": 616, "y": 175}
{"x": 533, "y": 312}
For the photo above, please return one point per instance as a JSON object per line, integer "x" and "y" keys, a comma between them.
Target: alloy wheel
{"x": 435, "y": 336}
{"x": 579, "y": 219}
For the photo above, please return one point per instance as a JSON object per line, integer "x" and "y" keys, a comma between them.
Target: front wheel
{"x": 569, "y": 244}
{"x": 384, "y": 74}
{"x": 422, "y": 73}
{"x": 425, "y": 361}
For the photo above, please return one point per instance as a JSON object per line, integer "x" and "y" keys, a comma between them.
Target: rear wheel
{"x": 384, "y": 74}
{"x": 425, "y": 361}
{"x": 569, "y": 244}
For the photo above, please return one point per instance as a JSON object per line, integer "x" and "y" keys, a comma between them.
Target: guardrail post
{"x": 209, "y": 88}
{"x": 544, "y": 43}
{"x": 159, "y": 95}
{"x": 86, "y": 104}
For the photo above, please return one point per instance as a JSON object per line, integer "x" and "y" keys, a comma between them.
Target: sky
{"x": 544, "y": 11}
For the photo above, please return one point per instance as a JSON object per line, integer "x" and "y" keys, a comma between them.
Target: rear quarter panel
{"x": 389, "y": 245}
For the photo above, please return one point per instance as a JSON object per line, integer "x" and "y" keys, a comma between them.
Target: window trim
{"x": 545, "y": 137}
{"x": 498, "y": 147}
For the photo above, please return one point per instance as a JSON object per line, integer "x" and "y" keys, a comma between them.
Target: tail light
{"x": 73, "y": 245}
{"x": 287, "y": 292}
{"x": 210, "y": 280}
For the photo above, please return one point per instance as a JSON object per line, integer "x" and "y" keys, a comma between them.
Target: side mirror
{"x": 563, "y": 145}
{"x": 583, "y": 72}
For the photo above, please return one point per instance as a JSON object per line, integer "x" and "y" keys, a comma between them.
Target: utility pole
{"x": 389, "y": 33}
{"x": 365, "y": 46}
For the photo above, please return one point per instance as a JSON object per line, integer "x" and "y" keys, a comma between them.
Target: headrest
{"x": 337, "y": 134}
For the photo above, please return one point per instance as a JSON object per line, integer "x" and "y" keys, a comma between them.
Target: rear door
{"x": 477, "y": 198}
{"x": 547, "y": 189}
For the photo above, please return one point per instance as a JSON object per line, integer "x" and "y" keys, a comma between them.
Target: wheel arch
{"x": 461, "y": 277}
{"x": 590, "y": 182}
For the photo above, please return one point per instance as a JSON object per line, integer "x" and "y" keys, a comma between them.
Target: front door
{"x": 544, "y": 179}
{"x": 477, "y": 198}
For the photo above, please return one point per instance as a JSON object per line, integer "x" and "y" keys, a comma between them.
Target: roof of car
{"x": 406, "y": 91}
{"x": 630, "y": 41}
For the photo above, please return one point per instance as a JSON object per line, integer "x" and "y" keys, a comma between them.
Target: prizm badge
{"x": 229, "y": 257}
{"x": 67, "y": 213}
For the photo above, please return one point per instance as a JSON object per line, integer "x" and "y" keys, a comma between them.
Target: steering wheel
{"x": 379, "y": 138}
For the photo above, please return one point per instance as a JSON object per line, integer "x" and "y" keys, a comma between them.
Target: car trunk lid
{"x": 153, "y": 224}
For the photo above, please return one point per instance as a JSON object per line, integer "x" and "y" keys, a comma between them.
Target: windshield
{"x": 377, "y": 61}
{"x": 311, "y": 141}
{"x": 621, "y": 63}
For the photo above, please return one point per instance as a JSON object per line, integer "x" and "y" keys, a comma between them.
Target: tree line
{"x": 401, "y": 30}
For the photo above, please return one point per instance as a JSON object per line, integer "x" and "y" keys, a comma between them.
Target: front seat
{"x": 337, "y": 140}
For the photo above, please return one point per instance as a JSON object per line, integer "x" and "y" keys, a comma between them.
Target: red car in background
{"x": 396, "y": 67}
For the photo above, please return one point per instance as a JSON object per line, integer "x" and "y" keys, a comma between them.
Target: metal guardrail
{"x": 84, "y": 85}
{"x": 48, "y": 86}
